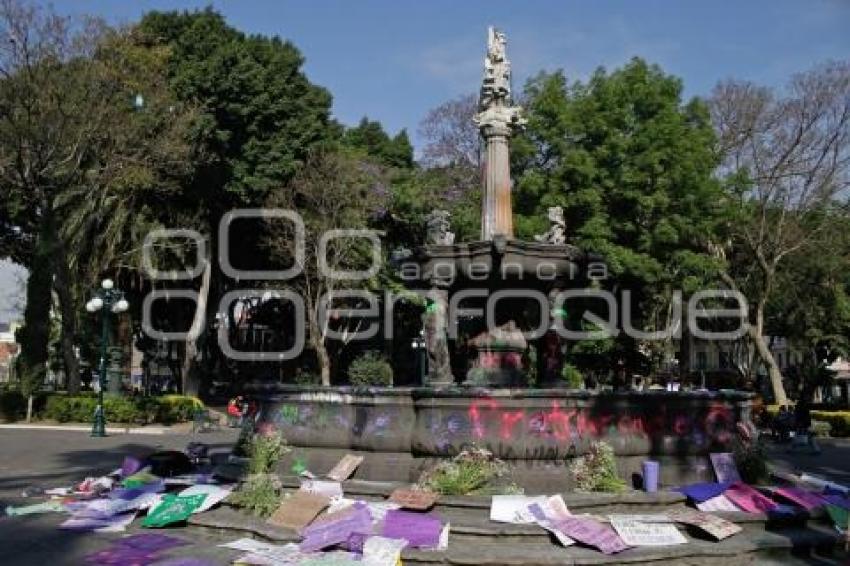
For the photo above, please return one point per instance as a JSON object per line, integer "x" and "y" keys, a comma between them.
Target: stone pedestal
{"x": 496, "y": 213}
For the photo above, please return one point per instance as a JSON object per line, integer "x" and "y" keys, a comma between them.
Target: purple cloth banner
{"x": 701, "y": 492}
{"x": 592, "y": 533}
{"x": 332, "y": 531}
{"x": 152, "y": 542}
{"x": 419, "y": 530}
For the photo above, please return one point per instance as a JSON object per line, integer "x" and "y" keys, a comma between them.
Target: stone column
{"x": 435, "y": 322}
{"x": 496, "y": 213}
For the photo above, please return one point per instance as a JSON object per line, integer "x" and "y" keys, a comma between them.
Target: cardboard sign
{"x": 724, "y": 467}
{"x": 719, "y": 503}
{"x": 712, "y": 524}
{"x": 592, "y": 533}
{"x": 298, "y": 510}
{"x": 414, "y": 499}
{"x": 748, "y": 499}
{"x": 345, "y": 467}
{"x": 637, "y": 533}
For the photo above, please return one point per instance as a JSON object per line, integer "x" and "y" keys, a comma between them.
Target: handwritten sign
{"x": 724, "y": 467}
{"x": 637, "y": 533}
{"x": 298, "y": 510}
{"x": 413, "y": 498}
{"x": 592, "y": 533}
{"x": 514, "y": 508}
{"x": 345, "y": 467}
{"x": 715, "y": 526}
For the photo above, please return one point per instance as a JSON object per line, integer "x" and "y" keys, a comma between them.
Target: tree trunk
{"x": 68, "y": 310}
{"x": 190, "y": 378}
{"x": 324, "y": 362}
{"x": 29, "y": 408}
{"x": 756, "y": 334}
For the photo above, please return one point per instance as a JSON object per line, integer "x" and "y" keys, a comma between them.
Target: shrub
{"x": 751, "y": 460}
{"x": 370, "y": 369}
{"x": 13, "y": 405}
{"x": 136, "y": 410}
{"x": 473, "y": 471}
{"x": 821, "y": 428}
{"x": 572, "y": 377}
{"x": 265, "y": 451}
{"x": 306, "y": 377}
{"x": 597, "y": 470}
{"x": 839, "y": 421}
{"x": 260, "y": 493}
{"x": 175, "y": 408}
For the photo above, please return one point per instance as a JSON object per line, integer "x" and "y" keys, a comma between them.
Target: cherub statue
{"x": 557, "y": 233}
{"x": 438, "y": 228}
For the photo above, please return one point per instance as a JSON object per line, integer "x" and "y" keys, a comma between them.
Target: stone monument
{"x": 403, "y": 430}
{"x": 497, "y": 119}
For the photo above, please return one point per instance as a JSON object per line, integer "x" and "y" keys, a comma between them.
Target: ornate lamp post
{"x": 108, "y": 299}
{"x": 418, "y": 345}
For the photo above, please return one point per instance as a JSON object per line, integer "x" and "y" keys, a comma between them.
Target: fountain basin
{"x": 537, "y": 431}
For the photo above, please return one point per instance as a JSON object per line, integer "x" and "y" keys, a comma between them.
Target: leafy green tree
{"x": 632, "y": 165}
{"x": 54, "y": 111}
{"x": 34, "y": 334}
{"x": 257, "y": 117}
{"x": 336, "y": 190}
{"x": 259, "y": 112}
{"x": 370, "y": 137}
{"x": 811, "y": 304}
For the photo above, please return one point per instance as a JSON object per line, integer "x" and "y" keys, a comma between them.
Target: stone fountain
{"x": 537, "y": 431}
{"x": 497, "y": 264}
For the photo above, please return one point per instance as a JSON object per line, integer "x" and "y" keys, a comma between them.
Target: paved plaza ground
{"x": 56, "y": 458}
{"x": 50, "y": 458}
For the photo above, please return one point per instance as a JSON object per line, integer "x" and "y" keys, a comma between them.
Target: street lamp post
{"x": 418, "y": 345}
{"x": 108, "y": 300}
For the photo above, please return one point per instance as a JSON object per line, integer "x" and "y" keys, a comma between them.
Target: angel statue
{"x": 557, "y": 233}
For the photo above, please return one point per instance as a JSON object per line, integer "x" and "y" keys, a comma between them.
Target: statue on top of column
{"x": 494, "y": 104}
{"x": 497, "y": 69}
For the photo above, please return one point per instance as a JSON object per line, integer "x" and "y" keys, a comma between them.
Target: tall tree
{"x": 786, "y": 158}
{"x": 632, "y": 165}
{"x": 336, "y": 190}
{"x": 53, "y": 113}
{"x": 370, "y": 137}
{"x": 258, "y": 117}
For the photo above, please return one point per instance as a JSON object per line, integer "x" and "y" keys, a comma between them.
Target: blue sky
{"x": 394, "y": 59}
